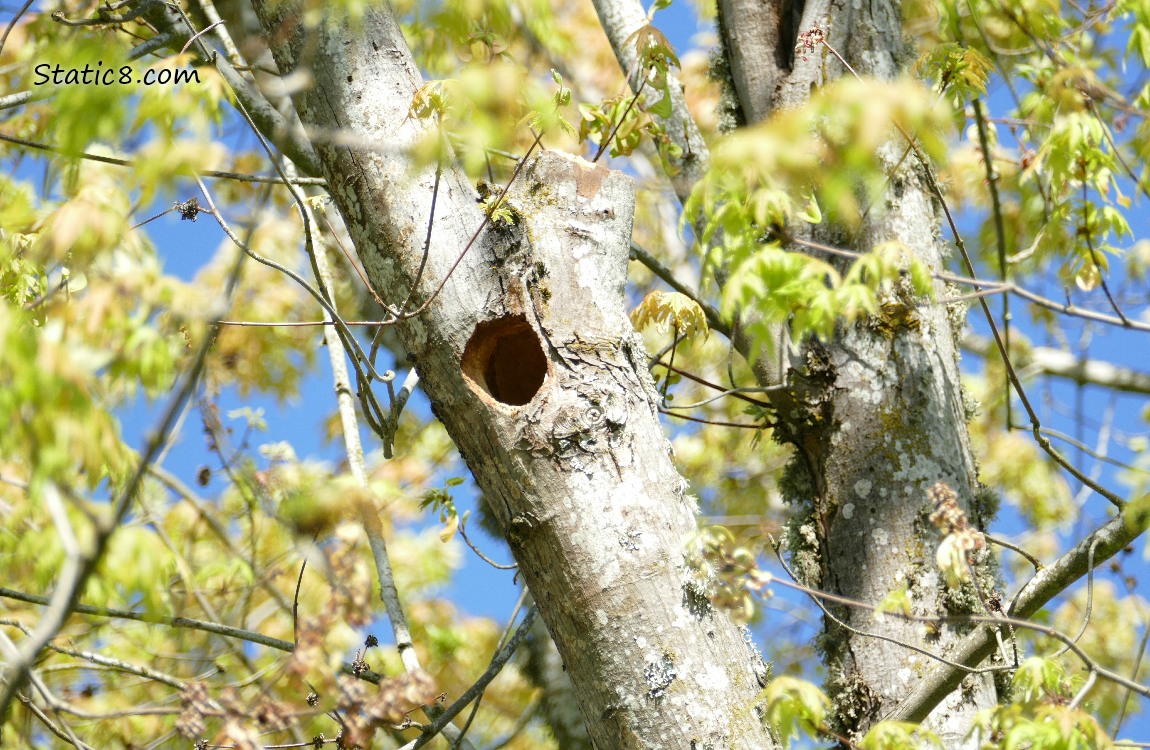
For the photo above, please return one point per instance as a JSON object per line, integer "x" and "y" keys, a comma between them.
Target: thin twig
{"x": 182, "y": 622}
{"x": 486, "y": 220}
{"x": 817, "y": 597}
{"x": 716, "y": 422}
{"x": 998, "y": 339}
{"x": 483, "y": 557}
{"x": 607, "y": 141}
{"x": 359, "y": 272}
{"x": 212, "y": 173}
{"x": 1003, "y": 543}
{"x": 497, "y": 662}
{"x": 1089, "y": 600}
{"x": 198, "y": 34}
{"x": 999, "y": 231}
{"x": 426, "y": 239}
{"x": 1133, "y": 675}
{"x": 507, "y": 632}
{"x": 12, "y": 24}
{"x": 51, "y": 725}
{"x": 295, "y": 602}
{"x": 986, "y": 288}
{"x": 94, "y": 658}
{"x": 1091, "y": 676}
{"x": 1094, "y": 256}
{"x": 230, "y": 48}
{"x": 992, "y": 620}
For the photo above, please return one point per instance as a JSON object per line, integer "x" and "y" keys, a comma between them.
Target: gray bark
{"x": 876, "y": 416}
{"x": 884, "y": 419}
{"x": 751, "y": 40}
{"x": 894, "y": 426}
{"x": 528, "y": 359}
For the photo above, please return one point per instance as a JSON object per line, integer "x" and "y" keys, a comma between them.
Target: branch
{"x": 497, "y": 662}
{"x": 1059, "y": 364}
{"x": 81, "y": 563}
{"x": 213, "y": 173}
{"x": 183, "y": 622}
{"x": 1052, "y": 580}
{"x": 621, "y": 19}
{"x": 366, "y": 80}
{"x": 337, "y": 356}
{"x": 43, "y": 717}
{"x": 999, "y": 232}
{"x": 287, "y": 134}
{"x": 15, "y": 100}
{"x": 104, "y": 661}
{"x": 995, "y": 621}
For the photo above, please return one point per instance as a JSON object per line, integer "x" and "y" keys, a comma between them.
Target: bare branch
{"x": 1052, "y": 580}
{"x": 1060, "y": 364}
{"x": 497, "y": 662}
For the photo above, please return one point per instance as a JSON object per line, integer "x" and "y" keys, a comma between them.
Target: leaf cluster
{"x": 830, "y": 152}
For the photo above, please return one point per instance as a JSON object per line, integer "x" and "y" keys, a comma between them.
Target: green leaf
{"x": 661, "y": 108}
{"x": 811, "y": 214}
{"x": 796, "y": 707}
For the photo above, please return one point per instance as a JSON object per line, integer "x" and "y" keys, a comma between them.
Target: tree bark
{"x": 885, "y": 418}
{"x": 528, "y": 359}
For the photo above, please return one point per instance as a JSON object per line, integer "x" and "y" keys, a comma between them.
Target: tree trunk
{"x": 528, "y": 360}
{"x": 887, "y": 402}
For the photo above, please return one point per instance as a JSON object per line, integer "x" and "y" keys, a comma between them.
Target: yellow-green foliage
{"x": 1111, "y": 647}
{"x": 819, "y": 155}
{"x": 671, "y": 310}
{"x": 958, "y": 70}
{"x": 1040, "y": 718}
{"x": 795, "y": 707}
{"x": 1009, "y": 461}
{"x": 898, "y": 735}
{"x": 94, "y": 330}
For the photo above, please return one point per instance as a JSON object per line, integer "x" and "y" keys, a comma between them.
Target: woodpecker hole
{"x": 504, "y": 359}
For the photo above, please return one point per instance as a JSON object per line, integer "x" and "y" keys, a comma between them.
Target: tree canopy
{"x": 511, "y": 373}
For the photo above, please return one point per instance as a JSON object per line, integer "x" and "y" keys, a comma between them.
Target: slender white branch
{"x": 337, "y": 356}
{"x": 1056, "y": 363}
{"x": 620, "y": 20}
